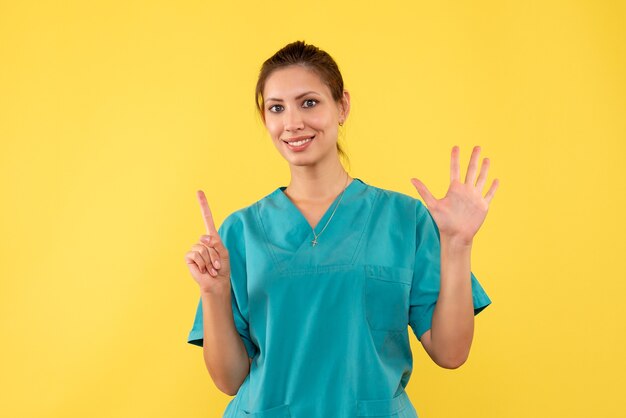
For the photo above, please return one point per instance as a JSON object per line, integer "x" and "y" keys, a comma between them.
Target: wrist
{"x": 216, "y": 292}
{"x": 456, "y": 242}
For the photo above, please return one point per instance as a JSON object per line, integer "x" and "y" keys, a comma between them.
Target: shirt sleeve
{"x": 231, "y": 234}
{"x": 426, "y": 275}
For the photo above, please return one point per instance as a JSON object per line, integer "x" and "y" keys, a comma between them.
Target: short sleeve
{"x": 231, "y": 234}
{"x": 426, "y": 275}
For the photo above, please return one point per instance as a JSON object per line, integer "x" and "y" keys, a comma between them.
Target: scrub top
{"x": 327, "y": 325}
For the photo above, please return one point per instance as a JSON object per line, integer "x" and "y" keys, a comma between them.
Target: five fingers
{"x": 470, "y": 176}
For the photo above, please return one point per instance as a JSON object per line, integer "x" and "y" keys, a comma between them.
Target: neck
{"x": 315, "y": 183}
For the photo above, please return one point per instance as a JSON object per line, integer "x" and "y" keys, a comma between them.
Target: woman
{"x": 307, "y": 294}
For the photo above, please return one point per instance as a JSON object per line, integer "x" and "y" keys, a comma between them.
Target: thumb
{"x": 217, "y": 243}
{"x": 423, "y": 191}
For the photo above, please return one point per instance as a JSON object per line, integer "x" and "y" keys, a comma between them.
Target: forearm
{"x": 225, "y": 355}
{"x": 453, "y": 318}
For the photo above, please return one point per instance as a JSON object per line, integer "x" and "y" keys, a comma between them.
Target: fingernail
{"x": 216, "y": 263}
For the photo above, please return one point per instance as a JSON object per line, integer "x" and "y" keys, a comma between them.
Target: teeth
{"x": 298, "y": 143}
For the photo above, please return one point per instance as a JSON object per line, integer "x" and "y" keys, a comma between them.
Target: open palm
{"x": 461, "y": 212}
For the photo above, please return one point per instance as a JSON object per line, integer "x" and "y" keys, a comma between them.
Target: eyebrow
{"x": 297, "y": 97}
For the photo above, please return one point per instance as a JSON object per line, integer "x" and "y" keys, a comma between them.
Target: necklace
{"x": 314, "y": 242}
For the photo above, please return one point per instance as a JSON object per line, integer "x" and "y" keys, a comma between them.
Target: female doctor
{"x": 307, "y": 294}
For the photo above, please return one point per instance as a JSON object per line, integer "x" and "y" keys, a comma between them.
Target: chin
{"x": 300, "y": 161}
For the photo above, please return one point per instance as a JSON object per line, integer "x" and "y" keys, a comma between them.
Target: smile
{"x": 299, "y": 145}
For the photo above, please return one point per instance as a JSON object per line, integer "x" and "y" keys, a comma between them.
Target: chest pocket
{"x": 386, "y": 297}
{"x": 281, "y": 411}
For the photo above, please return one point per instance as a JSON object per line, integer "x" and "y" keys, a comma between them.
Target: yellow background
{"x": 113, "y": 114}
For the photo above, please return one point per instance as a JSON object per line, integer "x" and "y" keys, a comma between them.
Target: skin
{"x": 458, "y": 215}
{"x": 317, "y": 177}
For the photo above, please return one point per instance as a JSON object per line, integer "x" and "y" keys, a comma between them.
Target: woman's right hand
{"x": 208, "y": 260}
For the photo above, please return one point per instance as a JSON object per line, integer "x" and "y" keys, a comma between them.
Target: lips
{"x": 298, "y": 138}
{"x": 303, "y": 145}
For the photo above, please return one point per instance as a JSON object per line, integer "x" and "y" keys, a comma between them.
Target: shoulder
{"x": 410, "y": 212}
{"x": 399, "y": 201}
{"x": 233, "y": 232}
{"x": 236, "y": 221}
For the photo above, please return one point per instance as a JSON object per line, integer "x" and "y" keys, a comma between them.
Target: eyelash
{"x": 307, "y": 100}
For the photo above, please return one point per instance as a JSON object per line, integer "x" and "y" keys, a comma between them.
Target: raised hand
{"x": 208, "y": 260}
{"x": 461, "y": 212}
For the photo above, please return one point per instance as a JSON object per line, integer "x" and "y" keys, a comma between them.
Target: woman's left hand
{"x": 463, "y": 209}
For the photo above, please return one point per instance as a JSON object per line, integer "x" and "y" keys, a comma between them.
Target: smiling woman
{"x": 306, "y": 120}
{"x": 301, "y": 86}
{"x": 306, "y": 295}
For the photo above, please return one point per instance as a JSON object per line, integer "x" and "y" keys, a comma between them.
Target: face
{"x": 298, "y": 105}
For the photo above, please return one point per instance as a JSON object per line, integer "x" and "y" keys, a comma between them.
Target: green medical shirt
{"x": 327, "y": 325}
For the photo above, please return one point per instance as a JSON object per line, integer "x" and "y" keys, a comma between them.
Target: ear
{"x": 345, "y": 105}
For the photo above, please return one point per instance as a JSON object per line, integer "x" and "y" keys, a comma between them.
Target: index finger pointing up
{"x": 206, "y": 213}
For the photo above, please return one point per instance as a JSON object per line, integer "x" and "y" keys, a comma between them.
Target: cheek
{"x": 321, "y": 122}
{"x": 273, "y": 128}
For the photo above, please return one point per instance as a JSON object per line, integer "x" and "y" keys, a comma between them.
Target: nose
{"x": 292, "y": 120}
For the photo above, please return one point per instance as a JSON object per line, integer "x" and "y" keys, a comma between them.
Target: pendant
{"x": 314, "y": 242}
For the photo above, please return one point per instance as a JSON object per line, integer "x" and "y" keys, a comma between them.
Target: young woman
{"x": 307, "y": 294}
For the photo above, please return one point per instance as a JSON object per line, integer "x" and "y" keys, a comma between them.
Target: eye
{"x": 311, "y": 100}
{"x": 315, "y": 101}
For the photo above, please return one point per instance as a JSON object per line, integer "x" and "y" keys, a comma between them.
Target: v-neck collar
{"x": 290, "y": 206}
{"x": 288, "y": 234}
